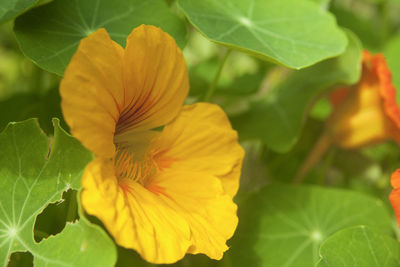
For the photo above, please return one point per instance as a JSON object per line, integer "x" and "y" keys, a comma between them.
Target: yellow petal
{"x": 92, "y": 92}
{"x": 136, "y": 217}
{"x": 155, "y": 80}
{"x": 209, "y": 211}
{"x": 201, "y": 139}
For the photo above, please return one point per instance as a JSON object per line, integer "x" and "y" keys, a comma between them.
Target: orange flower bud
{"x": 367, "y": 112}
{"x": 363, "y": 114}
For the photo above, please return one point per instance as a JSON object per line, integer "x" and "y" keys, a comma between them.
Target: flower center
{"x": 126, "y": 167}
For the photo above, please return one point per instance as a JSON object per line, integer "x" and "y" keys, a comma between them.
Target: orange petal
{"x": 92, "y": 92}
{"x": 136, "y": 217}
{"x": 209, "y": 211}
{"x": 395, "y": 179}
{"x": 155, "y": 80}
{"x": 395, "y": 195}
{"x": 202, "y": 140}
{"x": 388, "y": 93}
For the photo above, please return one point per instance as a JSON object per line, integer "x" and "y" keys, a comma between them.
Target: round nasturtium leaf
{"x": 293, "y": 33}
{"x": 284, "y": 225}
{"x": 50, "y": 34}
{"x": 360, "y": 246}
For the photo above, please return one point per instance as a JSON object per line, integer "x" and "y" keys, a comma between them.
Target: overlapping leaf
{"x": 278, "y": 118}
{"x": 11, "y": 8}
{"x": 369, "y": 28}
{"x": 360, "y": 247}
{"x": 50, "y": 34}
{"x": 28, "y": 105}
{"x": 294, "y": 33}
{"x": 283, "y": 225}
{"x": 34, "y": 172}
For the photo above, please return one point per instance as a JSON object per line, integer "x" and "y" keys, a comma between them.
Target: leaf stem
{"x": 327, "y": 165}
{"x": 319, "y": 149}
{"x": 213, "y": 85}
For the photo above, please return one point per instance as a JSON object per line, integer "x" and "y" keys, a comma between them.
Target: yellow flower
{"x": 164, "y": 192}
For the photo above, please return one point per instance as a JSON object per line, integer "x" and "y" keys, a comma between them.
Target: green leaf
{"x": 49, "y": 35}
{"x": 392, "y": 54}
{"x": 294, "y": 33}
{"x": 284, "y": 225}
{"x": 79, "y": 244}
{"x": 284, "y": 167}
{"x": 202, "y": 74}
{"x": 29, "y": 105}
{"x": 360, "y": 247}
{"x": 368, "y": 27}
{"x": 279, "y": 117}
{"x": 11, "y": 8}
{"x": 34, "y": 172}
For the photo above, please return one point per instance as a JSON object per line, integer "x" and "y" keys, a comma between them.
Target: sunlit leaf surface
{"x": 290, "y": 32}
{"x": 34, "y": 172}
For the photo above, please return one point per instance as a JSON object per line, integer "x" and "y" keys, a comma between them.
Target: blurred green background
{"x": 28, "y": 91}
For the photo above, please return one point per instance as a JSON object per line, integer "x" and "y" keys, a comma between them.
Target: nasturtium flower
{"x": 363, "y": 114}
{"x": 164, "y": 173}
{"x": 367, "y": 112}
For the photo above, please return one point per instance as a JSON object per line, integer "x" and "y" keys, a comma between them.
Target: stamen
{"x": 141, "y": 171}
{"x": 124, "y": 166}
{"x": 127, "y": 167}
